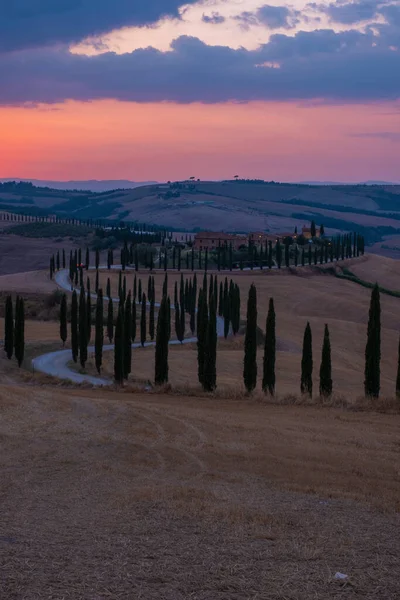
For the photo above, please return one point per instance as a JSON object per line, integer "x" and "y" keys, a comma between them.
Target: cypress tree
{"x": 174, "y": 257}
{"x": 227, "y": 309}
{"x": 140, "y": 291}
{"x": 270, "y": 259}
{"x": 83, "y": 333}
{"x": 97, "y": 281}
{"x": 19, "y": 330}
{"x": 206, "y": 261}
{"x": 309, "y": 254}
{"x": 162, "y": 339}
{"x": 133, "y": 327}
{"x": 268, "y": 382}
{"x": 278, "y": 253}
{"x": 143, "y": 321}
{"x": 74, "y": 327}
{"x": 221, "y": 300}
{"x": 87, "y": 259}
{"x": 63, "y": 259}
{"x": 110, "y": 321}
{"x": 97, "y": 259}
{"x": 127, "y": 358}
{"x": 165, "y": 285}
{"x": 303, "y": 260}
{"x": 307, "y": 363}
{"x": 58, "y": 260}
{"x": 63, "y": 319}
{"x": 119, "y": 347}
{"x": 9, "y": 328}
{"x": 120, "y": 284}
{"x": 99, "y": 334}
{"x": 373, "y": 347}
{"x": 109, "y": 260}
{"x": 202, "y": 325}
{"x": 398, "y": 372}
{"x": 178, "y": 322}
{"x": 325, "y": 371}
{"x": 89, "y": 312}
{"x": 296, "y": 255}
{"x": 151, "y": 315}
{"x": 250, "y": 342}
{"x": 210, "y": 359}
{"x": 134, "y": 288}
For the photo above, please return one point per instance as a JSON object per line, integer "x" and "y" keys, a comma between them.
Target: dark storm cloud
{"x": 34, "y": 23}
{"x": 334, "y": 67}
{"x": 273, "y": 17}
{"x": 215, "y": 18}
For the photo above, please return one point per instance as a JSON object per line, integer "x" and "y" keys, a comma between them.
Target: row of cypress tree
{"x": 14, "y": 329}
{"x": 339, "y": 248}
{"x": 269, "y": 360}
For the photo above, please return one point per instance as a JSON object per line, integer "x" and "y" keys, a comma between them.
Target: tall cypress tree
{"x": 83, "y": 332}
{"x": 74, "y": 327}
{"x": 325, "y": 371}
{"x": 278, "y": 253}
{"x": 89, "y": 312}
{"x": 307, "y": 363}
{"x": 287, "y": 262}
{"x": 202, "y": 325}
{"x": 134, "y": 289}
{"x": 127, "y": 337}
{"x": 151, "y": 315}
{"x": 19, "y": 330}
{"x": 373, "y": 348}
{"x": 63, "y": 319}
{"x": 110, "y": 321}
{"x": 133, "y": 327}
{"x": 227, "y": 309}
{"x": 63, "y": 259}
{"x": 162, "y": 339}
{"x": 178, "y": 322}
{"x": 143, "y": 321}
{"x": 140, "y": 291}
{"x": 398, "y": 372}
{"x": 99, "y": 333}
{"x": 210, "y": 359}
{"x": 9, "y": 328}
{"x": 87, "y": 259}
{"x": 119, "y": 347}
{"x": 96, "y": 287}
{"x": 270, "y": 259}
{"x": 221, "y": 300}
{"x": 268, "y": 382}
{"x": 250, "y": 342}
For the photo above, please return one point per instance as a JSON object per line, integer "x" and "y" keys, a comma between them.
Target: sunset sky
{"x": 101, "y": 89}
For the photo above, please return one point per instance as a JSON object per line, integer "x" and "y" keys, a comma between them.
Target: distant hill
{"x": 92, "y": 185}
{"x": 239, "y": 206}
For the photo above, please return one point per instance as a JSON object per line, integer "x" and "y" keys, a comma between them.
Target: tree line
{"x": 282, "y": 254}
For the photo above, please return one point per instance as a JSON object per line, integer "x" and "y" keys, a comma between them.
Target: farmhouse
{"x": 210, "y": 240}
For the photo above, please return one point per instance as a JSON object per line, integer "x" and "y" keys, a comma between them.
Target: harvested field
{"x": 385, "y": 271}
{"x": 130, "y": 496}
{"x": 19, "y": 254}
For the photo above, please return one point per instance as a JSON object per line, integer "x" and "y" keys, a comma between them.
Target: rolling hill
{"x": 244, "y": 205}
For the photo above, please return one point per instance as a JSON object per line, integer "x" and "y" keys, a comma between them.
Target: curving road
{"x": 56, "y": 363}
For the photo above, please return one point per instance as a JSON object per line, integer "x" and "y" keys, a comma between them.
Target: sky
{"x": 161, "y": 90}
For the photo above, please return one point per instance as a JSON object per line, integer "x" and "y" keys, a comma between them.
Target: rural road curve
{"x": 56, "y": 363}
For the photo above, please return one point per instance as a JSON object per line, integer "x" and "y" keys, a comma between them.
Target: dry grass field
{"x": 131, "y": 495}
{"x": 385, "y": 271}
{"x": 110, "y": 495}
{"x": 307, "y": 296}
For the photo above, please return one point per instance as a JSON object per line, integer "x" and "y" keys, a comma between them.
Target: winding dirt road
{"x": 56, "y": 363}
